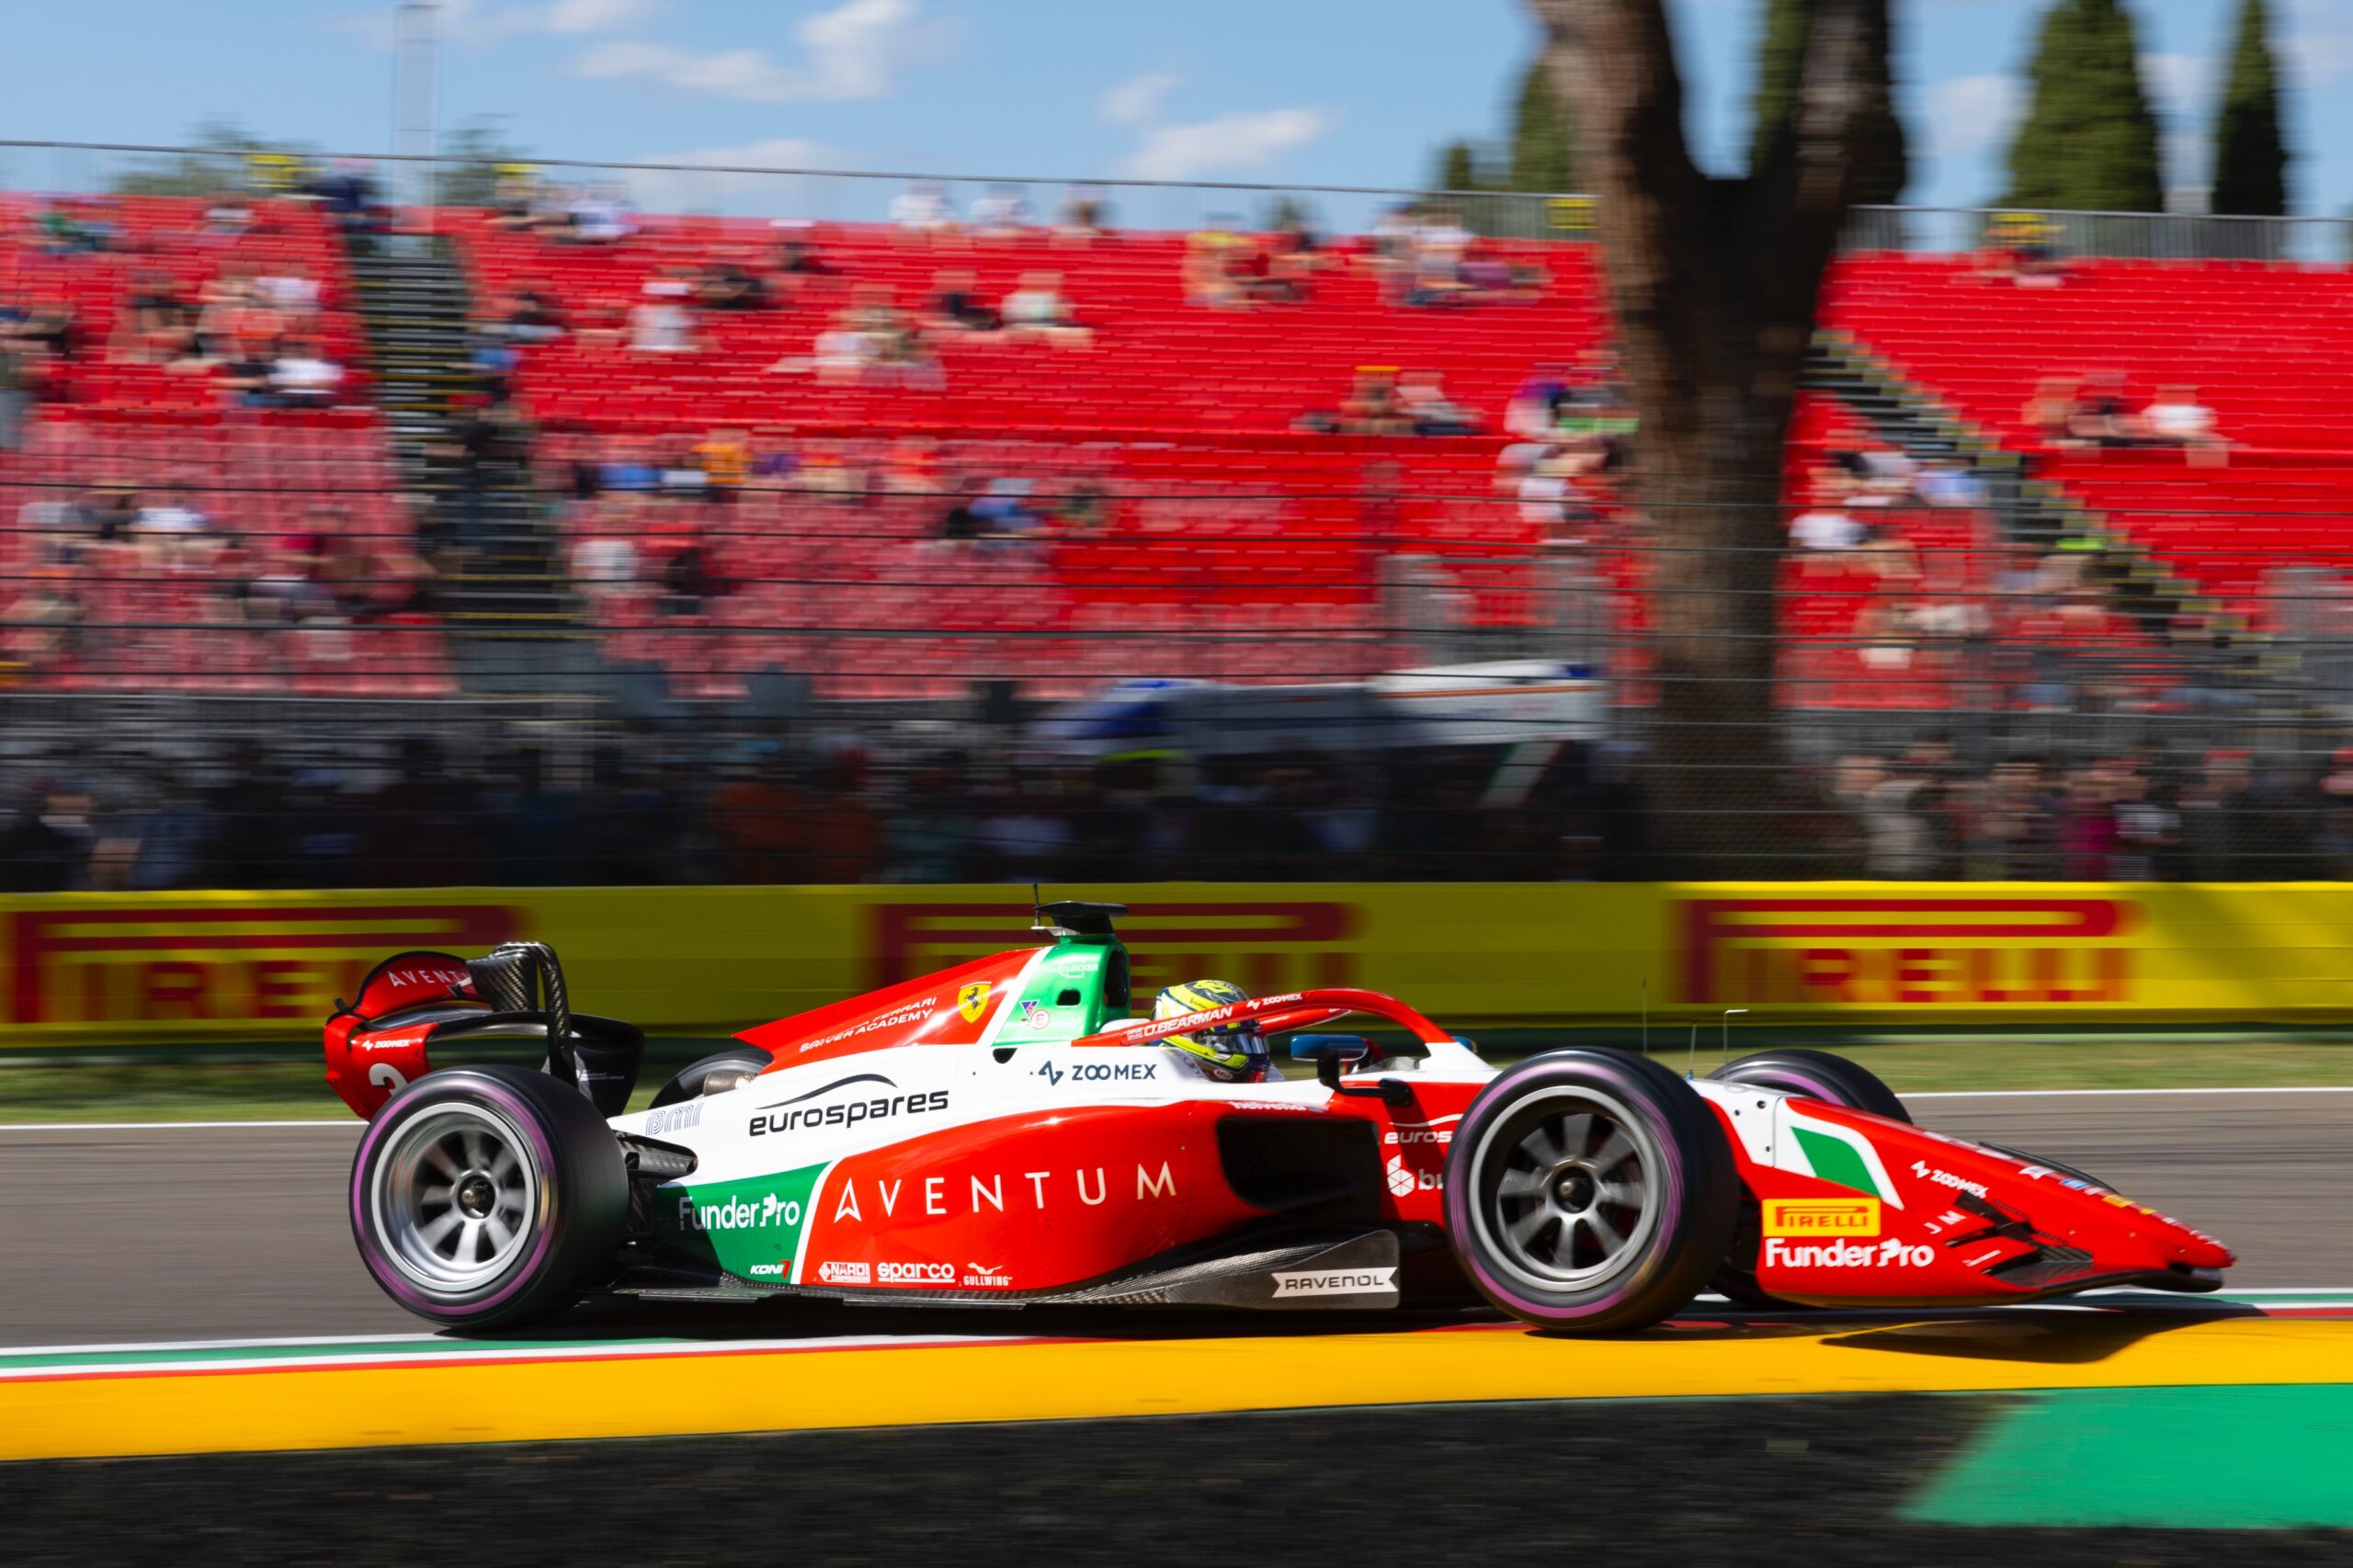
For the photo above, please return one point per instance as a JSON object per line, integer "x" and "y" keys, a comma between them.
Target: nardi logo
{"x": 1262, "y": 946}
{"x": 1821, "y": 1216}
{"x": 1902, "y": 951}
{"x": 160, "y": 962}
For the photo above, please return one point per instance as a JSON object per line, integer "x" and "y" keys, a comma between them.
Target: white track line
{"x": 2078, "y": 1094}
{"x": 168, "y": 1126}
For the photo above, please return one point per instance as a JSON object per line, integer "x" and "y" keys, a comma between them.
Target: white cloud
{"x": 2316, "y": 44}
{"x": 852, "y": 52}
{"x": 1230, "y": 142}
{"x": 724, "y": 188}
{"x": 592, "y": 15}
{"x": 1137, "y": 99}
{"x": 1968, "y": 114}
{"x": 2177, "y": 84}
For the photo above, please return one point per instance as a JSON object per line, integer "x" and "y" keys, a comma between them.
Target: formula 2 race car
{"x": 1002, "y": 1134}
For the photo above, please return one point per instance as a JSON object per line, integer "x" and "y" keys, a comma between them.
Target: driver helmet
{"x": 1236, "y": 1053}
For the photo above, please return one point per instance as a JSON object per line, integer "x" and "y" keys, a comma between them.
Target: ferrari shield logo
{"x": 972, "y": 1001}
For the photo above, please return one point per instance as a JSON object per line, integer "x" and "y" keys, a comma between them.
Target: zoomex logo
{"x": 1821, "y": 1216}
{"x": 1902, "y": 951}
{"x": 794, "y": 1115}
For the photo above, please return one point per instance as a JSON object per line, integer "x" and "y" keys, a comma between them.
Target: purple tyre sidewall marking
{"x": 1461, "y": 1196}
{"x": 520, "y": 1118}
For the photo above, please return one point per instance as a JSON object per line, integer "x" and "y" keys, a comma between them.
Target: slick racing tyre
{"x": 693, "y": 1081}
{"x": 1817, "y": 1076}
{"x": 1589, "y": 1191}
{"x": 485, "y": 1197}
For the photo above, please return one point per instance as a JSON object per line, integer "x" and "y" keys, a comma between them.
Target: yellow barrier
{"x": 107, "y": 968}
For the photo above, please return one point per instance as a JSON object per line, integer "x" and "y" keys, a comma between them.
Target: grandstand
{"x": 1162, "y": 483}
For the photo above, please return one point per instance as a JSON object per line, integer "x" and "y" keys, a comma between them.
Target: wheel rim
{"x": 455, "y": 1199}
{"x": 1567, "y": 1190}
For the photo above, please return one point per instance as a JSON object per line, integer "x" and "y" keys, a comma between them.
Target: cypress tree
{"x": 2250, "y": 160}
{"x": 2089, "y": 141}
{"x": 1457, "y": 168}
{"x": 1780, "y": 58}
{"x": 1543, "y": 151}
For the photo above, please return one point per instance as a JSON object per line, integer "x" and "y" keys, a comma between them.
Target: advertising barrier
{"x": 125, "y": 969}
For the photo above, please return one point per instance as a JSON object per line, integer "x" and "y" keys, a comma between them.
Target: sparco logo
{"x": 1888, "y": 1254}
{"x": 1339, "y": 1282}
{"x": 782, "y": 1116}
{"x": 914, "y": 1274}
{"x": 1100, "y": 1072}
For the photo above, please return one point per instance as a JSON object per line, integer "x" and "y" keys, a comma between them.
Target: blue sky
{"x": 1355, "y": 92}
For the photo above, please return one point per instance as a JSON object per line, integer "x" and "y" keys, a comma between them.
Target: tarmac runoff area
{"x": 2110, "y": 1410}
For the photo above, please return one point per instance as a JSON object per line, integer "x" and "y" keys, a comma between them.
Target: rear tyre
{"x": 693, "y": 1081}
{"x": 486, "y": 1197}
{"x": 1817, "y": 1076}
{"x": 1589, "y": 1192}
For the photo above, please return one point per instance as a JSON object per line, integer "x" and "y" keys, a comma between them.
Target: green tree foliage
{"x": 1788, "y": 24}
{"x": 2089, "y": 142}
{"x": 1543, "y": 143}
{"x": 1457, "y": 167}
{"x": 2250, "y": 159}
{"x": 216, "y": 159}
{"x": 473, "y": 157}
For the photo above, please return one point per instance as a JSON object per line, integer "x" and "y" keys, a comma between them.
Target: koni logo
{"x": 1902, "y": 951}
{"x": 1262, "y": 945}
{"x": 154, "y": 963}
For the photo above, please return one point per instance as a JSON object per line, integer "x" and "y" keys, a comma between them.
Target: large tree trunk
{"x": 1714, "y": 282}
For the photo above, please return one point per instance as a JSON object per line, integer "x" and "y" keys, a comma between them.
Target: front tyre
{"x": 1815, "y": 1075}
{"x": 485, "y": 1196}
{"x": 1589, "y": 1192}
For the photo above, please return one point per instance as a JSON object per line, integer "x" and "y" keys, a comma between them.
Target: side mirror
{"x": 1334, "y": 1048}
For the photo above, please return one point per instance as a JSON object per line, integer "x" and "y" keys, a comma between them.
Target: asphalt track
{"x": 193, "y": 1231}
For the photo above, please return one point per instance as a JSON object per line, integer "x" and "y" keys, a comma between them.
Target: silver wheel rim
{"x": 455, "y": 1199}
{"x": 1567, "y": 1193}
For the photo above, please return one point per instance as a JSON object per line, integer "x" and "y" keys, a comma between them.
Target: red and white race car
{"x": 1001, "y": 1132}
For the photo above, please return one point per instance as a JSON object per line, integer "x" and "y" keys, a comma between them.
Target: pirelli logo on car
{"x": 1821, "y": 1216}
{"x": 222, "y": 963}
{"x": 2028, "y": 952}
{"x": 1262, "y": 945}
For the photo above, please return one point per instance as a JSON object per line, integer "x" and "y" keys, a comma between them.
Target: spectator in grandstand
{"x": 229, "y": 214}
{"x": 1422, "y": 399}
{"x": 156, "y": 329}
{"x": 1948, "y": 481}
{"x": 1371, "y": 407}
{"x": 303, "y": 377}
{"x": 2099, "y": 418}
{"x": 532, "y": 313}
{"x": 44, "y": 620}
{"x": 2222, "y": 821}
{"x": 2046, "y": 413}
{"x": 1085, "y": 215}
{"x": 1488, "y": 275}
{"x": 1829, "y": 528}
{"x": 1533, "y": 412}
{"x": 726, "y": 286}
{"x": 600, "y": 214}
{"x": 293, "y": 295}
{"x": 2176, "y": 418}
{"x": 15, "y": 397}
{"x": 957, "y": 304}
{"x": 661, "y": 324}
{"x": 725, "y": 460}
{"x": 1002, "y": 214}
{"x": 924, "y": 211}
{"x": 1210, "y": 268}
{"x": 515, "y": 203}
{"x": 1037, "y": 312}
{"x": 1440, "y": 244}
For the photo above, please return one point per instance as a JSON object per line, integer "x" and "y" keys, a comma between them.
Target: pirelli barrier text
{"x": 235, "y": 966}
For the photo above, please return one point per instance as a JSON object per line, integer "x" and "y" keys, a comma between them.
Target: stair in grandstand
{"x": 495, "y": 548}
{"x": 2032, "y": 512}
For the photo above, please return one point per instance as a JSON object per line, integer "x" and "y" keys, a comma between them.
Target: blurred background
{"x": 475, "y": 514}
